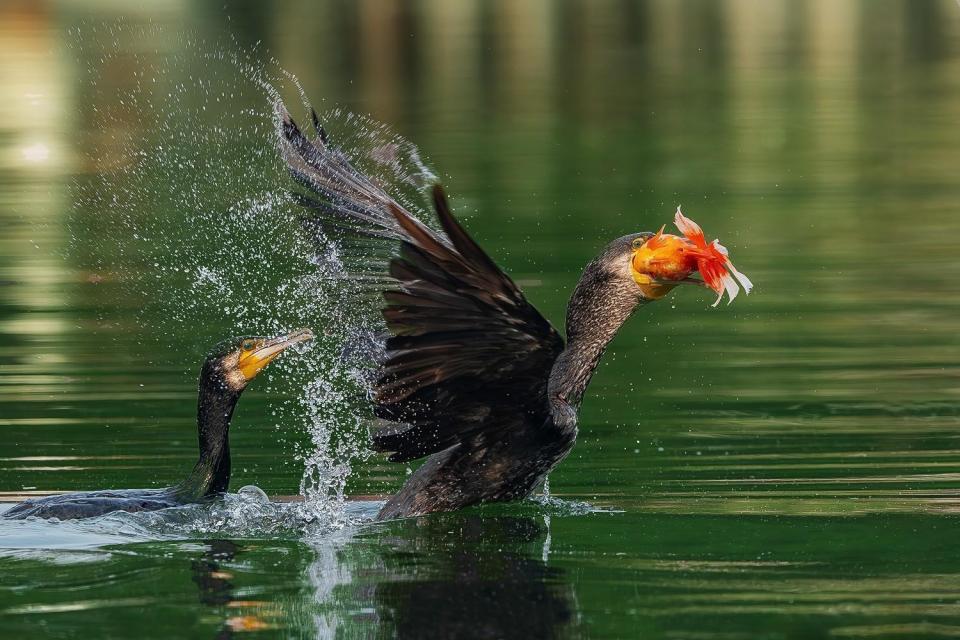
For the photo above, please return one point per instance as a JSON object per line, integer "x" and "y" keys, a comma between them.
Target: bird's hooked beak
{"x": 262, "y": 351}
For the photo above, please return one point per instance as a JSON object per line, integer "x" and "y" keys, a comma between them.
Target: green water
{"x": 786, "y": 467}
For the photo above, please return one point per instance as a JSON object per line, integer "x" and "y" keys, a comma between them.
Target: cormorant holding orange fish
{"x": 473, "y": 377}
{"x": 226, "y": 372}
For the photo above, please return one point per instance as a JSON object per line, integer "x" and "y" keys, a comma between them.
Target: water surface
{"x": 786, "y": 467}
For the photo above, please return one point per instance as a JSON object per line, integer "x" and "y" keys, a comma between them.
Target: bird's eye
{"x": 247, "y": 345}
{"x": 639, "y": 242}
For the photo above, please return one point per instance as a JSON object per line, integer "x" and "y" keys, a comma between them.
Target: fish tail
{"x": 690, "y": 229}
{"x": 713, "y": 261}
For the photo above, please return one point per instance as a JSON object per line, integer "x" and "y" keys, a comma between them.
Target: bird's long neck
{"x": 215, "y": 404}
{"x": 598, "y": 308}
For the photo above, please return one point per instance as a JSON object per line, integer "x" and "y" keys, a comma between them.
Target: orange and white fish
{"x": 665, "y": 260}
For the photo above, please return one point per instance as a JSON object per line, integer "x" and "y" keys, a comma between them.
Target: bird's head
{"x": 237, "y": 361}
{"x": 654, "y": 260}
{"x": 624, "y": 262}
{"x": 661, "y": 261}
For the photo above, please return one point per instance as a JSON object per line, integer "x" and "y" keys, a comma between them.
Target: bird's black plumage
{"x": 223, "y": 377}
{"x": 474, "y": 377}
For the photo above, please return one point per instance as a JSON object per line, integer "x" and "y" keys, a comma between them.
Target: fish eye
{"x": 247, "y": 345}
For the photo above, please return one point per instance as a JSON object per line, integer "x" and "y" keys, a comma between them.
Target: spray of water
{"x": 188, "y": 206}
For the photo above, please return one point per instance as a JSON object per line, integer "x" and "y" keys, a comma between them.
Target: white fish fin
{"x": 686, "y": 226}
{"x": 744, "y": 280}
{"x": 731, "y": 287}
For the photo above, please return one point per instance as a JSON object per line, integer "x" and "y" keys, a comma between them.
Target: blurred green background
{"x": 817, "y": 139}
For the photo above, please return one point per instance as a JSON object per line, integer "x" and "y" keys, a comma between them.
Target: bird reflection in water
{"x": 216, "y": 589}
{"x": 213, "y": 582}
{"x": 477, "y": 591}
{"x": 456, "y": 576}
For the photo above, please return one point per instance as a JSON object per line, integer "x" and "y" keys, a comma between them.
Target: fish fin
{"x": 731, "y": 287}
{"x": 689, "y": 228}
{"x": 719, "y": 298}
{"x": 656, "y": 240}
{"x": 744, "y": 280}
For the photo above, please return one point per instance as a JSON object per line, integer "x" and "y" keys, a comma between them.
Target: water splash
{"x": 247, "y": 514}
{"x": 191, "y": 214}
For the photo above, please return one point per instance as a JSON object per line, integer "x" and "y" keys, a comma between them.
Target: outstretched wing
{"x": 468, "y": 356}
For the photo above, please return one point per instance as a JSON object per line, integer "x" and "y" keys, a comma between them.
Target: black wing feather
{"x": 468, "y": 355}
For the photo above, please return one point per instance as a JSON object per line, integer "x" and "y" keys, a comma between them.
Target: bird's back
{"x": 88, "y": 504}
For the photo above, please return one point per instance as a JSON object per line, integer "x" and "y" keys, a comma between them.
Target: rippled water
{"x": 786, "y": 467}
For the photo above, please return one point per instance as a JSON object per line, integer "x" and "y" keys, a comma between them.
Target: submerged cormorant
{"x": 225, "y": 374}
{"x": 472, "y": 375}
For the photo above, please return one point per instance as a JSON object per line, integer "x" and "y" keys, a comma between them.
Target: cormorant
{"x": 225, "y": 374}
{"x": 473, "y": 376}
